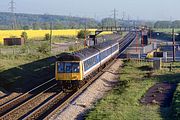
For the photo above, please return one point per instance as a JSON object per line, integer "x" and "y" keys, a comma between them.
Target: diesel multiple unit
{"x": 78, "y": 66}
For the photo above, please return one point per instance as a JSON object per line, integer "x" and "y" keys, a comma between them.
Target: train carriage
{"x": 74, "y": 67}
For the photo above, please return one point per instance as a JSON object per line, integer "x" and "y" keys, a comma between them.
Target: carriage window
{"x": 68, "y": 67}
{"x": 75, "y": 67}
{"x": 61, "y": 67}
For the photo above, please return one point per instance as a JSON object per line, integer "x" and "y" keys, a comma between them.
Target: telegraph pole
{"x": 115, "y": 22}
{"x": 51, "y": 28}
{"x": 173, "y": 39}
{"x": 85, "y": 42}
{"x": 12, "y": 8}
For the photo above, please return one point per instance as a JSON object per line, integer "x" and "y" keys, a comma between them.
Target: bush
{"x": 71, "y": 48}
{"x": 82, "y": 33}
{"x": 176, "y": 102}
{"x": 23, "y": 49}
{"x": 44, "y": 48}
{"x": 47, "y": 37}
{"x": 24, "y": 35}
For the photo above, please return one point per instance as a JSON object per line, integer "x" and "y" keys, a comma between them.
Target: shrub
{"x": 71, "y": 48}
{"x": 24, "y": 35}
{"x": 82, "y": 33}
{"x": 176, "y": 102}
{"x": 43, "y": 48}
{"x": 47, "y": 37}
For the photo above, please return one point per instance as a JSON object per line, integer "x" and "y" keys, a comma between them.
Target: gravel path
{"x": 79, "y": 107}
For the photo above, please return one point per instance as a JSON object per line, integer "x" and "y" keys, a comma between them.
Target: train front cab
{"x": 69, "y": 73}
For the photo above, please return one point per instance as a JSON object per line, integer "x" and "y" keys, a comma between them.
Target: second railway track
{"x": 5, "y": 108}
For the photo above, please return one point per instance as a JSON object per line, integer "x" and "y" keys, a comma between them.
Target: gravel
{"x": 8, "y": 97}
{"x": 81, "y": 105}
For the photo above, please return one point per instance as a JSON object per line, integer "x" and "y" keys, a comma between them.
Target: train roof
{"x": 86, "y": 52}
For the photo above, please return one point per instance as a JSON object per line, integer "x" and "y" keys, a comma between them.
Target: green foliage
{"x": 75, "y": 47}
{"x": 43, "y": 48}
{"x": 26, "y": 27}
{"x": 83, "y": 33}
{"x": 47, "y": 37}
{"x": 122, "y": 103}
{"x": 176, "y": 103}
{"x": 24, "y": 35}
{"x": 23, "y": 49}
{"x": 167, "y": 24}
{"x": 35, "y": 26}
{"x": 162, "y": 24}
{"x": 71, "y": 48}
{"x": 59, "y": 22}
{"x": 107, "y": 22}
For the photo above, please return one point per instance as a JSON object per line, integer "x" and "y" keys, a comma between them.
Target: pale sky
{"x": 136, "y": 9}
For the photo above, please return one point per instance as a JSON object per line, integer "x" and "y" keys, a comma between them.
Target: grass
{"x": 32, "y": 60}
{"x": 27, "y": 62}
{"x": 176, "y": 103}
{"x": 167, "y": 30}
{"x": 122, "y": 103}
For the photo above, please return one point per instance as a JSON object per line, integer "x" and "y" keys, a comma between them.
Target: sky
{"x": 132, "y": 9}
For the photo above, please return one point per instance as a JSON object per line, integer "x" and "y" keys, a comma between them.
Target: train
{"x": 71, "y": 69}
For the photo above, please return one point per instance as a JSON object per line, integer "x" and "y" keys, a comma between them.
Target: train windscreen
{"x": 68, "y": 67}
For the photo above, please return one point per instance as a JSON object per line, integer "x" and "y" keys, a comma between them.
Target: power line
{"x": 12, "y": 6}
{"x": 12, "y": 9}
{"x": 123, "y": 16}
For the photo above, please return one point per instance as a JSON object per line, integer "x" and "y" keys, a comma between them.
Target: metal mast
{"x": 12, "y": 9}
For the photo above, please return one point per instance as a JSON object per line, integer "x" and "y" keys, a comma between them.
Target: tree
{"x": 163, "y": 24}
{"x": 35, "y": 26}
{"x": 24, "y": 35}
{"x": 47, "y": 36}
{"x": 26, "y": 27}
{"x": 46, "y": 26}
{"x": 176, "y": 24}
{"x": 58, "y": 26}
{"x": 83, "y": 33}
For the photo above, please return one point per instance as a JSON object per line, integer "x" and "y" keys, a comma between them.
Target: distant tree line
{"x": 35, "y": 22}
{"x": 167, "y": 24}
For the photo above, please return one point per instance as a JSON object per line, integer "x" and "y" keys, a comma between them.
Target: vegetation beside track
{"x": 176, "y": 103}
{"x": 34, "y": 59}
{"x": 166, "y": 30}
{"x": 122, "y": 102}
{"x": 30, "y": 61}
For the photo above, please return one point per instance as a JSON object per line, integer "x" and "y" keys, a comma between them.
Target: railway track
{"x": 5, "y": 108}
{"x": 30, "y": 104}
{"x": 47, "y": 104}
{"x": 9, "y": 97}
{"x": 59, "y": 102}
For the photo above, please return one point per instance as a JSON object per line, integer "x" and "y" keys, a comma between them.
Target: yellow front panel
{"x": 69, "y": 76}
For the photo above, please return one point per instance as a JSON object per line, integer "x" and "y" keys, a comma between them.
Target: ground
{"x": 123, "y": 102}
